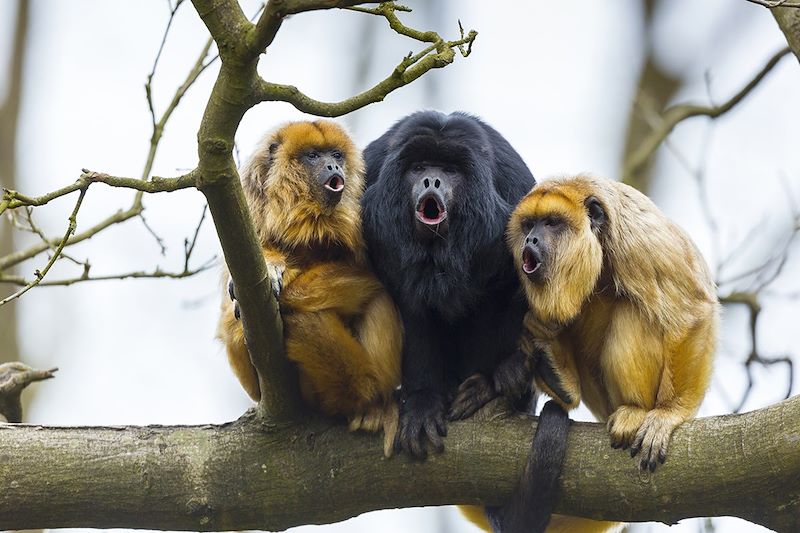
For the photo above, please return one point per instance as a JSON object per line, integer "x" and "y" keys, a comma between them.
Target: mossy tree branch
{"x": 244, "y": 476}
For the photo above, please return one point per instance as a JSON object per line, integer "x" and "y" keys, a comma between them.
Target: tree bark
{"x": 250, "y": 475}
{"x": 788, "y": 20}
{"x": 9, "y": 117}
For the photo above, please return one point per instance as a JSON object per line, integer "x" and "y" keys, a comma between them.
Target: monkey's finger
{"x": 432, "y": 432}
{"x": 441, "y": 424}
{"x": 231, "y": 290}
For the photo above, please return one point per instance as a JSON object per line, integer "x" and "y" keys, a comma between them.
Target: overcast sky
{"x": 557, "y": 79}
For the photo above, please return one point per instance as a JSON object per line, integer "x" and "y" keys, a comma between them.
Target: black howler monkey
{"x": 440, "y": 189}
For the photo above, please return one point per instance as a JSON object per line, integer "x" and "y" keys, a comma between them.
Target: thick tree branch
{"x": 788, "y": 20}
{"x": 676, "y": 114}
{"x": 244, "y": 475}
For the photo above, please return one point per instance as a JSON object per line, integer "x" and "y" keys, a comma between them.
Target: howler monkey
{"x": 623, "y": 303}
{"x": 303, "y": 185}
{"x": 440, "y": 189}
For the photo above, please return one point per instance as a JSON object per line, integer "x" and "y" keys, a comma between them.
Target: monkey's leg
{"x": 335, "y": 366}
{"x": 380, "y": 333}
{"x": 230, "y": 332}
{"x": 683, "y": 384}
{"x": 633, "y": 366}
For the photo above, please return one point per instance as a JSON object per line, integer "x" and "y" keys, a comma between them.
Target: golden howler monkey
{"x": 623, "y": 305}
{"x": 303, "y": 185}
{"x": 623, "y": 314}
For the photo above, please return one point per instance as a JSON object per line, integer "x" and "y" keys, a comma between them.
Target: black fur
{"x": 458, "y": 295}
{"x": 537, "y": 488}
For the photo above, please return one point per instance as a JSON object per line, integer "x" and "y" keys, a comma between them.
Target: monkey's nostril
{"x": 426, "y": 182}
{"x": 535, "y": 240}
{"x": 330, "y": 167}
{"x": 436, "y": 183}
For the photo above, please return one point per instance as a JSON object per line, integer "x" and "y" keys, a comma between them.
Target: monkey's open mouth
{"x": 335, "y": 183}
{"x": 430, "y": 210}
{"x": 530, "y": 260}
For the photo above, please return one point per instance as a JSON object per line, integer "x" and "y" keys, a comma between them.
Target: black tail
{"x": 532, "y": 503}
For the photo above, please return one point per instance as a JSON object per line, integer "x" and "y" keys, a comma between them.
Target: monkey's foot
{"x": 421, "y": 424}
{"x": 275, "y": 275}
{"x": 653, "y": 437}
{"x": 376, "y": 417}
{"x": 474, "y": 393}
{"x": 623, "y": 424}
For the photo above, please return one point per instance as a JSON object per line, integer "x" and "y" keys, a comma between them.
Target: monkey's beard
{"x": 568, "y": 280}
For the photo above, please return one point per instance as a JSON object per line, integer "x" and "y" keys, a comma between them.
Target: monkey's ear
{"x": 272, "y": 149}
{"x": 597, "y": 215}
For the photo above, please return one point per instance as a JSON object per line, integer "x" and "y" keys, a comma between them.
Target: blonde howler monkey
{"x": 303, "y": 185}
{"x": 622, "y": 307}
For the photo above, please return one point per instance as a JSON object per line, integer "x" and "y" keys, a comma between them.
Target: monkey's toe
{"x": 475, "y": 392}
{"x": 623, "y": 424}
{"x": 275, "y": 274}
{"x": 652, "y": 439}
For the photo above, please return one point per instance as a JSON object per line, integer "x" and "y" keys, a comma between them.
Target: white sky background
{"x": 557, "y": 79}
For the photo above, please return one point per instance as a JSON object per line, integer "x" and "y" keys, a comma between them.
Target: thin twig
{"x": 40, "y": 274}
{"x": 674, "y": 115}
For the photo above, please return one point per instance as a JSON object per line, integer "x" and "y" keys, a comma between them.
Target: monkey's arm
{"x": 337, "y": 287}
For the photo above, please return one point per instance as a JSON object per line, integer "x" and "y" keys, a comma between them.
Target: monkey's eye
{"x": 337, "y": 155}
{"x": 417, "y": 167}
{"x": 526, "y": 225}
{"x": 311, "y": 156}
{"x": 552, "y": 222}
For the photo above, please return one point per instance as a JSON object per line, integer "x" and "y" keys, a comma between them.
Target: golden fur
{"x": 340, "y": 326}
{"x": 627, "y": 311}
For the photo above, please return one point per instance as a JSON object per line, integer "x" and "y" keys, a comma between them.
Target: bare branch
{"x": 40, "y": 274}
{"x": 437, "y": 55}
{"x": 154, "y": 274}
{"x": 276, "y": 11}
{"x": 674, "y": 115}
{"x": 751, "y": 301}
{"x": 14, "y": 377}
{"x": 771, "y": 4}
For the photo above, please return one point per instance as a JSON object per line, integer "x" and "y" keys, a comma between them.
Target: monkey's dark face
{"x": 433, "y": 186}
{"x": 541, "y": 238}
{"x": 326, "y": 171}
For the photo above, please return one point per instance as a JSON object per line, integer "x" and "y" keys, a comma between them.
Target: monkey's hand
{"x": 553, "y": 380}
{"x": 474, "y": 393}
{"x": 232, "y": 295}
{"x": 513, "y": 377}
{"x": 275, "y": 274}
{"x": 422, "y": 423}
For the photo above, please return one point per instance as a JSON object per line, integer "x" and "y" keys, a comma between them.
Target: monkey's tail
{"x": 532, "y": 503}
